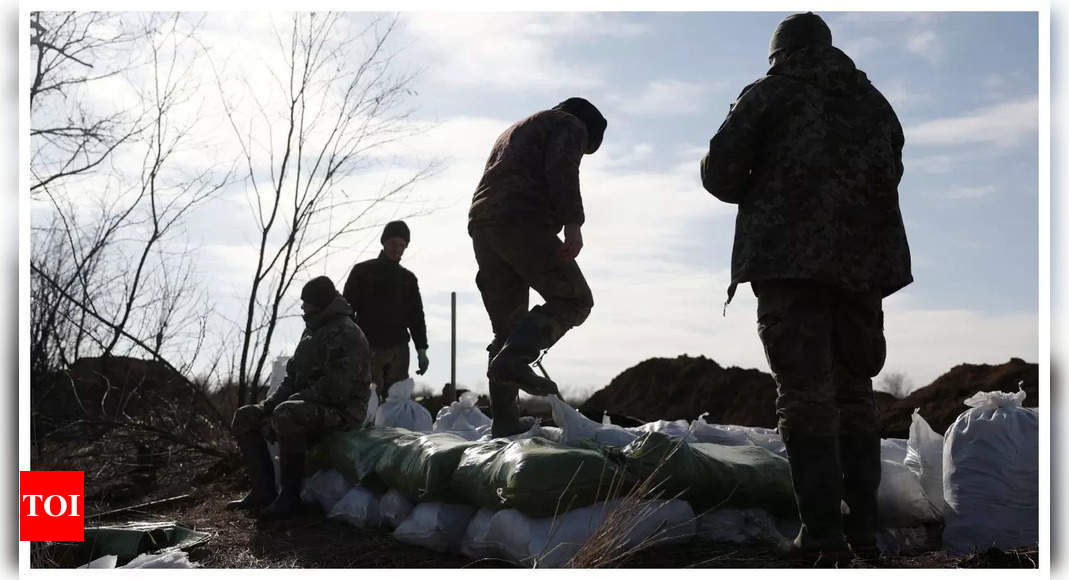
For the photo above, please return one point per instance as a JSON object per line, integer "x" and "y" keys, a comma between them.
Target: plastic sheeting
{"x": 422, "y": 468}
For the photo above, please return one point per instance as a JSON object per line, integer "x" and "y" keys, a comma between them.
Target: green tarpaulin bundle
{"x": 355, "y": 454}
{"x": 535, "y": 476}
{"x": 709, "y": 475}
{"x": 421, "y": 468}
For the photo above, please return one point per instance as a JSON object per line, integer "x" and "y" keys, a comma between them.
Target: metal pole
{"x": 453, "y": 348}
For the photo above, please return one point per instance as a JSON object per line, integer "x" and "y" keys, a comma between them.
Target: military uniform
{"x": 388, "y": 306}
{"x": 812, "y": 155}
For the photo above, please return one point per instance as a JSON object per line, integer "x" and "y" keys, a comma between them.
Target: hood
{"x": 338, "y": 308}
{"x": 826, "y": 67}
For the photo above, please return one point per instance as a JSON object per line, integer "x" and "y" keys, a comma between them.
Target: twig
{"x": 139, "y": 506}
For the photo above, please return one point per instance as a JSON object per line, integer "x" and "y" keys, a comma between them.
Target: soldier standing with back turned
{"x": 812, "y": 155}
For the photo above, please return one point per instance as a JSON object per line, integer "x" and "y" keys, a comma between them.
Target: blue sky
{"x": 658, "y": 247}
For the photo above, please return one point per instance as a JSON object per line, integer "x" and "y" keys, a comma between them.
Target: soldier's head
{"x": 795, "y": 32}
{"x": 395, "y": 239}
{"x": 590, "y": 116}
{"x": 317, "y": 294}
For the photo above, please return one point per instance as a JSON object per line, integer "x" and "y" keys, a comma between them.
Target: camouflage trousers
{"x": 388, "y": 365}
{"x": 823, "y": 345}
{"x": 296, "y": 424}
{"x": 513, "y": 260}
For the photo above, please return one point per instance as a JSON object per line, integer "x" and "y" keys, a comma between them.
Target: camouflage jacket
{"x": 812, "y": 155}
{"x": 385, "y": 296}
{"x": 532, "y": 175}
{"x": 331, "y": 365}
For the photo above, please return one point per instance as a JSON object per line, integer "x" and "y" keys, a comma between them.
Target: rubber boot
{"x": 512, "y": 366}
{"x": 861, "y": 464}
{"x": 291, "y": 476}
{"x": 261, "y": 473}
{"x": 818, "y": 487}
{"x": 506, "y": 414}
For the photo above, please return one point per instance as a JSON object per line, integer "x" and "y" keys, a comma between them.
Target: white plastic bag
{"x": 400, "y": 410}
{"x": 704, "y": 432}
{"x": 324, "y": 488}
{"x": 359, "y": 507}
{"x": 435, "y": 525}
{"x": 900, "y": 498}
{"x": 164, "y": 559}
{"x": 742, "y": 526}
{"x": 924, "y": 457}
{"x": 462, "y": 418}
{"x": 372, "y": 405}
{"x": 394, "y": 508}
{"x": 477, "y": 543}
{"x": 991, "y": 475}
{"x": 575, "y": 427}
{"x": 678, "y": 428}
{"x": 894, "y": 449}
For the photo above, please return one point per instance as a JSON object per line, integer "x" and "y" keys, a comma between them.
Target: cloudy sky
{"x": 657, "y": 246}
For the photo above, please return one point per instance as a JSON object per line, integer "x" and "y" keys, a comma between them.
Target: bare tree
{"x": 894, "y": 383}
{"x": 333, "y": 101}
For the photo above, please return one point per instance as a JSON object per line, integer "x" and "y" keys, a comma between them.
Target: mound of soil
{"x": 685, "y": 387}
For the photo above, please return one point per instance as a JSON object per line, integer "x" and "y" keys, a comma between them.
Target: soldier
{"x": 812, "y": 155}
{"x": 388, "y": 306}
{"x": 325, "y": 389}
{"x": 529, "y": 191}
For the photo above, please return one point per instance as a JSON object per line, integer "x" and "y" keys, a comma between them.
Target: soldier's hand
{"x": 573, "y": 242}
{"x": 424, "y": 362}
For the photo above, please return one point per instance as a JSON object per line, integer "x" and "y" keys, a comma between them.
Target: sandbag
{"x": 355, "y": 454}
{"x": 551, "y": 542}
{"x": 536, "y": 476}
{"x": 359, "y": 507}
{"x": 741, "y": 526}
{"x": 991, "y": 475}
{"x": 400, "y": 410}
{"x": 575, "y": 427}
{"x": 679, "y": 428}
{"x": 894, "y": 449}
{"x": 924, "y": 457}
{"x": 421, "y": 468}
{"x": 394, "y": 508}
{"x": 463, "y": 418}
{"x": 901, "y": 501}
{"x": 704, "y": 432}
{"x": 372, "y": 406}
{"x": 324, "y": 488}
{"x": 554, "y": 434}
{"x": 435, "y": 525}
{"x": 477, "y": 543}
{"x": 712, "y": 476}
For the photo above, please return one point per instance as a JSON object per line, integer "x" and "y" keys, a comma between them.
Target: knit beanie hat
{"x": 396, "y": 229}
{"x": 319, "y": 292}
{"x": 590, "y": 116}
{"x": 799, "y": 31}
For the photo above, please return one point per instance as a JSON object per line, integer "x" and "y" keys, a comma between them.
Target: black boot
{"x": 506, "y": 420}
{"x": 860, "y": 453}
{"x": 818, "y": 487}
{"x": 261, "y": 473}
{"x": 512, "y": 366}
{"x": 291, "y": 476}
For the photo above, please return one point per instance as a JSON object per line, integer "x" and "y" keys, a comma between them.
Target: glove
{"x": 424, "y": 362}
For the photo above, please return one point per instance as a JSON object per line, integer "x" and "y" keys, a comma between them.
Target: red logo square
{"x": 51, "y": 506}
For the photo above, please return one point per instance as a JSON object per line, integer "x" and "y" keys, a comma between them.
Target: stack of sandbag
{"x": 421, "y": 468}
{"x": 355, "y": 454}
{"x": 359, "y": 507}
{"x": 435, "y": 525}
{"x": 712, "y": 476}
{"x": 703, "y": 432}
{"x": 324, "y": 488}
{"x": 463, "y": 418}
{"x": 535, "y": 475}
{"x": 991, "y": 475}
{"x": 400, "y": 410}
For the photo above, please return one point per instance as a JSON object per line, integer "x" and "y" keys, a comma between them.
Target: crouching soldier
{"x": 529, "y": 191}
{"x": 325, "y": 389}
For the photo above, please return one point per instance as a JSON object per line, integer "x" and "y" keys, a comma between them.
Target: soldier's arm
{"x": 351, "y": 290}
{"x": 725, "y": 169}
{"x": 564, "y": 151}
{"x": 341, "y": 364}
{"x": 417, "y": 323}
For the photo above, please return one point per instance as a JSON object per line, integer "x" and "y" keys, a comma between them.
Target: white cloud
{"x": 931, "y": 164}
{"x": 860, "y": 47}
{"x": 970, "y": 192}
{"x": 1004, "y": 124}
{"x": 925, "y": 44}
{"x": 666, "y": 97}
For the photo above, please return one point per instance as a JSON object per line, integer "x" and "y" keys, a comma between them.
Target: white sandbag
{"x": 991, "y": 475}
{"x": 435, "y": 525}
{"x": 359, "y": 507}
{"x": 476, "y": 543}
{"x": 893, "y": 449}
{"x": 768, "y": 439}
{"x": 575, "y": 427}
{"x": 741, "y": 526}
{"x": 678, "y": 428}
{"x": 400, "y": 410}
{"x": 552, "y": 542}
{"x": 372, "y": 404}
{"x": 463, "y": 418}
{"x": 165, "y": 559}
{"x": 324, "y": 488}
{"x": 901, "y": 499}
{"x": 104, "y": 562}
{"x": 924, "y": 457}
{"x": 704, "y": 432}
{"x": 394, "y": 508}
{"x": 554, "y": 434}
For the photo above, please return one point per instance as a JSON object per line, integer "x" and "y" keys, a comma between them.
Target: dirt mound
{"x": 942, "y": 401}
{"x": 684, "y": 388}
